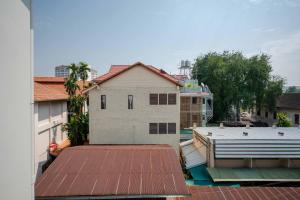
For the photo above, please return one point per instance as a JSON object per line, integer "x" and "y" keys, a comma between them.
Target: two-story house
{"x": 134, "y": 104}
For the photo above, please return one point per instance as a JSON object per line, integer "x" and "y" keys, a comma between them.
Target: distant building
{"x": 63, "y": 71}
{"x": 134, "y": 104}
{"x": 288, "y": 103}
{"x": 241, "y": 154}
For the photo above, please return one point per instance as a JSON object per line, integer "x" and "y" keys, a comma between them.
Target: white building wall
{"x": 48, "y": 117}
{"x": 119, "y": 125}
{"x": 16, "y": 153}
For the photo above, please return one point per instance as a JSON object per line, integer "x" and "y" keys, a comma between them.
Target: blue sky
{"x": 162, "y": 32}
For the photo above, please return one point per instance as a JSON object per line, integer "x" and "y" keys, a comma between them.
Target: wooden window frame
{"x": 193, "y": 100}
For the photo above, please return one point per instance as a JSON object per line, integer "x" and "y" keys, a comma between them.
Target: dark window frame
{"x": 172, "y": 99}
{"x": 172, "y": 126}
{"x": 130, "y": 105}
{"x": 153, "y": 99}
{"x": 103, "y": 102}
{"x": 163, "y": 128}
{"x": 151, "y": 128}
{"x": 161, "y": 99}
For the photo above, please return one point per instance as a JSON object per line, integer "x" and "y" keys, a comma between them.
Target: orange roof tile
{"x": 51, "y": 88}
{"x": 115, "y": 70}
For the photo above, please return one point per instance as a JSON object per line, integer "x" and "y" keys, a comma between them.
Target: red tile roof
{"x": 51, "y": 88}
{"x": 118, "y": 69}
{"x": 113, "y": 171}
{"x": 243, "y": 193}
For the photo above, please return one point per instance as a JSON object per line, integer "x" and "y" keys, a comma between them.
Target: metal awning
{"x": 191, "y": 155}
{"x": 254, "y": 174}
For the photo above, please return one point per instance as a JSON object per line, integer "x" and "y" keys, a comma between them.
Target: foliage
{"x": 237, "y": 81}
{"x": 283, "y": 120}
{"x": 292, "y": 89}
{"x": 77, "y": 126}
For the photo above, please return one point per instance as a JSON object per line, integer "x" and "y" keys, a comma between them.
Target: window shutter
{"x": 162, "y": 128}
{"x": 172, "y": 99}
{"x": 171, "y": 128}
{"x": 153, "y": 99}
{"x": 163, "y": 99}
{"x": 130, "y": 102}
{"x": 153, "y": 128}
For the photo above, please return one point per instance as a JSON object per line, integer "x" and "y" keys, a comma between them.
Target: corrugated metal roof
{"x": 113, "y": 170}
{"x": 191, "y": 155}
{"x": 254, "y": 174}
{"x": 243, "y": 193}
{"x": 232, "y": 133}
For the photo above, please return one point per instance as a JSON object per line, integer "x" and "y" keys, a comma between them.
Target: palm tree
{"x": 83, "y": 70}
{"x": 71, "y": 86}
{"x": 74, "y": 71}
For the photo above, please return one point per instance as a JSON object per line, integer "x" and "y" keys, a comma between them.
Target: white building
{"x": 16, "y": 144}
{"x": 63, "y": 71}
{"x": 134, "y": 104}
{"x": 50, "y": 112}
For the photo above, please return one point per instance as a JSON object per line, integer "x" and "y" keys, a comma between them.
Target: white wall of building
{"x": 48, "y": 120}
{"x": 119, "y": 125}
{"x": 16, "y": 144}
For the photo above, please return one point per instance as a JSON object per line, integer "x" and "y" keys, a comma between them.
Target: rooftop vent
{"x": 247, "y": 125}
{"x": 245, "y": 133}
{"x": 209, "y": 134}
{"x": 281, "y": 133}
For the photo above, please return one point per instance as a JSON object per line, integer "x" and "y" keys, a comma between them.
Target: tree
{"x": 237, "y": 81}
{"x": 283, "y": 120}
{"x": 77, "y": 127}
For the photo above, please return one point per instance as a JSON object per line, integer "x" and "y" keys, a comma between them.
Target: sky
{"x": 163, "y": 32}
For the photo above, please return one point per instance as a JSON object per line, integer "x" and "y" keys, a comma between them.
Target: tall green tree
{"x": 237, "y": 81}
{"x": 77, "y": 127}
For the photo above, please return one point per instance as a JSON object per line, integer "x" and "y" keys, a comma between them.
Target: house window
{"x": 274, "y": 115}
{"x": 258, "y": 112}
{"x": 203, "y": 101}
{"x": 266, "y": 114}
{"x": 130, "y": 102}
{"x": 163, "y": 99}
{"x": 103, "y": 101}
{"x": 296, "y": 118}
{"x": 171, "y": 128}
{"x": 153, "y": 99}
{"x": 194, "y": 100}
{"x": 172, "y": 99}
{"x": 153, "y": 128}
{"x": 162, "y": 128}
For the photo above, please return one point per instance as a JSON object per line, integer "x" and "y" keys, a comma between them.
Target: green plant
{"x": 77, "y": 126}
{"x": 283, "y": 120}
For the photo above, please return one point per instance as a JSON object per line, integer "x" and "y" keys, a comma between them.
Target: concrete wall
{"x": 48, "y": 118}
{"x": 16, "y": 149}
{"x": 119, "y": 125}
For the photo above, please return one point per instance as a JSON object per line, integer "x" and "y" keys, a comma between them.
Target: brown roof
{"x": 289, "y": 100}
{"x": 113, "y": 171}
{"x": 51, "y": 88}
{"x": 118, "y": 69}
{"x": 242, "y": 193}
